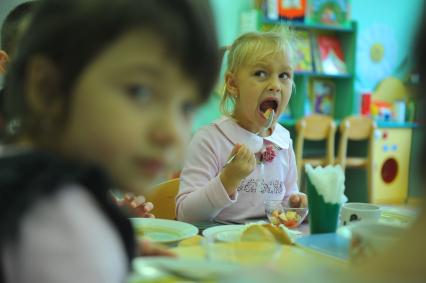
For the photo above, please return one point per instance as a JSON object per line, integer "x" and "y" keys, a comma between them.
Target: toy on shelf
{"x": 270, "y": 8}
{"x": 390, "y": 100}
{"x": 292, "y": 10}
{"x": 381, "y": 110}
{"x": 328, "y": 12}
{"x": 366, "y": 103}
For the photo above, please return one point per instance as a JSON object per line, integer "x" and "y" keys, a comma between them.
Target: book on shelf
{"x": 328, "y": 55}
{"x": 328, "y": 12}
{"x": 303, "y": 52}
{"x": 321, "y": 94}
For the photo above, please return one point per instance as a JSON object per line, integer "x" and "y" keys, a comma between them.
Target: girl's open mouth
{"x": 269, "y": 103}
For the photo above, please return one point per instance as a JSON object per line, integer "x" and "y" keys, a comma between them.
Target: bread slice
{"x": 256, "y": 233}
{"x": 279, "y": 234}
{"x": 265, "y": 232}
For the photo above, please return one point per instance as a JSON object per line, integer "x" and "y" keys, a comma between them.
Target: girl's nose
{"x": 274, "y": 85}
{"x": 166, "y": 132}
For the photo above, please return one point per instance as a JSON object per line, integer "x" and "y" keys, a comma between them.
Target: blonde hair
{"x": 252, "y": 47}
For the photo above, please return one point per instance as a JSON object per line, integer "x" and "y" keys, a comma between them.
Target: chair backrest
{"x": 315, "y": 127}
{"x": 355, "y": 128}
{"x": 163, "y": 197}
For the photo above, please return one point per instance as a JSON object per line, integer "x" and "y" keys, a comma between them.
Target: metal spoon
{"x": 268, "y": 125}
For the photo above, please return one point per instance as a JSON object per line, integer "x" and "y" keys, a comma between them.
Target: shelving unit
{"x": 393, "y": 140}
{"x": 307, "y": 26}
{"x": 345, "y": 99}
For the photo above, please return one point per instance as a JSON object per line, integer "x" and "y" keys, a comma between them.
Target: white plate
{"x": 149, "y": 268}
{"x": 226, "y": 233}
{"x": 163, "y": 230}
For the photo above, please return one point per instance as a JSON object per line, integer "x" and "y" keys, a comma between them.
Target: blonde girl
{"x": 258, "y": 79}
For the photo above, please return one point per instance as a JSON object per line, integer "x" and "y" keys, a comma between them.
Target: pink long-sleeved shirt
{"x": 202, "y": 195}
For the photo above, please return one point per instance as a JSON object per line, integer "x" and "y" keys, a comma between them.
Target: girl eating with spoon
{"x": 220, "y": 179}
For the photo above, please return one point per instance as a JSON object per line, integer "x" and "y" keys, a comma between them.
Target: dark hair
{"x": 72, "y": 32}
{"x": 12, "y": 28}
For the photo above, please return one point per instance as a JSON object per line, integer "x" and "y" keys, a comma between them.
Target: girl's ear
{"x": 4, "y": 58}
{"x": 43, "y": 93}
{"x": 231, "y": 84}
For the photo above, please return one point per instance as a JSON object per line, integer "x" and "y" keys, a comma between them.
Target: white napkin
{"x": 329, "y": 182}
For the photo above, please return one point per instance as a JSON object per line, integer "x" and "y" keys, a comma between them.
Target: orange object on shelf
{"x": 291, "y": 9}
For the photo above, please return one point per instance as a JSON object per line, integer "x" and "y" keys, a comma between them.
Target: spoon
{"x": 268, "y": 125}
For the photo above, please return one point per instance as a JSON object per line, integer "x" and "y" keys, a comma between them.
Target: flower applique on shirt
{"x": 267, "y": 154}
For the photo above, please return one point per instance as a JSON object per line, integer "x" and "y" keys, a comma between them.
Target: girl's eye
{"x": 285, "y": 76}
{"x": 260, "y": 74}
{"x": 140, "y": 93}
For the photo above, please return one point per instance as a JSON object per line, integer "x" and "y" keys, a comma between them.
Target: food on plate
{"x": 265, "y": 232}
{"x": 291, "y": 219}
{"x": 255, "y": 233}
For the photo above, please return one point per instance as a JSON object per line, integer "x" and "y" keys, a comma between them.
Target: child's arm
{"x": 240, "y": 167}
{"x": 202, "y": 195}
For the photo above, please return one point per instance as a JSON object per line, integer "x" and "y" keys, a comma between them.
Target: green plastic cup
{"x": 323, "y": 217}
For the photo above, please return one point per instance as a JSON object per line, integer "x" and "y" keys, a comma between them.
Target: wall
{"x": 6, "y": 6}
{"x": 227, "y": 14}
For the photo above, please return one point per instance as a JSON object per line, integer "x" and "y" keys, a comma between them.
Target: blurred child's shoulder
{"x": 22, "y": 168}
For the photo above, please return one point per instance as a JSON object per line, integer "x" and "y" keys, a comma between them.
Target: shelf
{"x": 322, "y": 75}
{"x": 287, "y": 122}
{"x": 393, "y": 124}
{"x": 291, "y": 122}
{"x": 302, "y": 25}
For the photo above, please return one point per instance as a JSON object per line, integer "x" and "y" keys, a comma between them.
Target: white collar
{"x": 236, "y": 134}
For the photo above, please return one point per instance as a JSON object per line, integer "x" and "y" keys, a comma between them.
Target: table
{"x": 327, "y": 249}
{"x": 294, "y": 255}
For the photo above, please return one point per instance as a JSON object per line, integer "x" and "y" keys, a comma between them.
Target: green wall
{"x": 227, "y": 14}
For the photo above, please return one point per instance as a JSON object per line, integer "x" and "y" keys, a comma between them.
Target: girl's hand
{"x": 298, "y": 200}
{"x": 242, "y": 165}
{"x": 145, "y": 248}
{"x": 136, "y": 206}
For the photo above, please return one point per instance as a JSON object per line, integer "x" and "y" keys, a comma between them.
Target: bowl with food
{"x": 279, "y": 212}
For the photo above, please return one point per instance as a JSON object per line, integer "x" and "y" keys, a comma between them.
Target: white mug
{"x": 353, "y": 212}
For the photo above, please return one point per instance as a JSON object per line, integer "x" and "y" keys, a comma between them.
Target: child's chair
{"x": 357, "y": 128}
{"x": 315, "y": 127}
{"x": 163, "y": 197}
